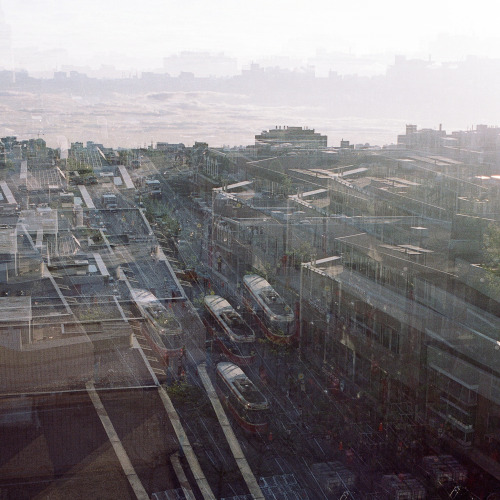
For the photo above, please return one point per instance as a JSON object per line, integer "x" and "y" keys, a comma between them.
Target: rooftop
{"x": 15, "y": 309}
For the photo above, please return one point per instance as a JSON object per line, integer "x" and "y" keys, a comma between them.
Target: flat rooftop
{"x": 15, "y": 309}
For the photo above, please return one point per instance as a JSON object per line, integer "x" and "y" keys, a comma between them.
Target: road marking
{"x": 183, "y": 481}
{"x": 200, "y": 478}
{"x": 117, "y": 445}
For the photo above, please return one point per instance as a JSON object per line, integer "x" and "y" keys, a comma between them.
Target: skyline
{"x": 218, "y": 40}
{"x": 66, "y": 33}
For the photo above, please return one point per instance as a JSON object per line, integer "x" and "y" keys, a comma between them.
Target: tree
{"x": 491, "y": 247}
{"x": 286, "y": 185}
{"x": 123, "y": 156}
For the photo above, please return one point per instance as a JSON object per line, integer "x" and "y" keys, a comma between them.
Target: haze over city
{"x": 138, "y": 35}
{"x": 342, "y": 54}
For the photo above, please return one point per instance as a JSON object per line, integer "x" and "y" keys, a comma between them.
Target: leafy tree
{"x": 491, "y": 247}
{"x": 286, "y": 185}
{"x": 83, "y": 169}
{"x": 123, "y": 156}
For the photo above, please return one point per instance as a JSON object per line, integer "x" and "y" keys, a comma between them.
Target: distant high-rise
{"x": 296, "y": 137}
{"x": 425, "y": 138}
{"x": 411, "y": 129}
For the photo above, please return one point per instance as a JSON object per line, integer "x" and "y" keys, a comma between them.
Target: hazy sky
{"x": 148, "y": 30}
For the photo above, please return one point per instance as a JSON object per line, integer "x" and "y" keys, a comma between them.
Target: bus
{"x": 275, "y": 318}
{"x": 232, "y": 334}
{"x": 241, "y": 397}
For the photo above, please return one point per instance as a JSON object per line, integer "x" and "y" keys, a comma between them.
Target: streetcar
{"x": 164, "y": 332}
{"x": 232, "y": 334}
{"x": 241, "y": 397}
{"x": 273, "y": 315}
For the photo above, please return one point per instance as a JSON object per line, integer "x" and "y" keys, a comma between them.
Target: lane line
{"x": 120, "y": 452}
{"x": 183, "y": 481}
{"x": 200, "y": 478}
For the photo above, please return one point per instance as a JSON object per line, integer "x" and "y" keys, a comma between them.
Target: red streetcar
{"x": 246, "y": 403}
